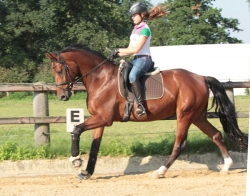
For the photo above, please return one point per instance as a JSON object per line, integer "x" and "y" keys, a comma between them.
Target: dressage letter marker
{"x": 74, "y": 116}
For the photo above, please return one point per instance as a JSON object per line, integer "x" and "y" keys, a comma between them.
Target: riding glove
{"x": 115, "y": 53}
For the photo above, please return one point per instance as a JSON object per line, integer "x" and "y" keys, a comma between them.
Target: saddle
{"x": 152, "y": 82}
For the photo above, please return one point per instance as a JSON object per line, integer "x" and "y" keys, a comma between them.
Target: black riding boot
{"x": 138, "y": 93}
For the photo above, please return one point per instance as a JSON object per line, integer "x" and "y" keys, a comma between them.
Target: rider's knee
{"x": 132, "y": 78}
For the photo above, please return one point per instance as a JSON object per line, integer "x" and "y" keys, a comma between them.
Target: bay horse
{"x": 185, "y": 95}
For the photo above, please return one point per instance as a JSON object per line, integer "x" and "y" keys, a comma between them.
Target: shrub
{"x": 13, "y": 75}
{"x": 44, "y": 72}
{"x": 11, "y": 151}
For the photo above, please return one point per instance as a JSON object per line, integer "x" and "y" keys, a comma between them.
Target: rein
{"x": 91, "y": 70}
{"x": 66, "y": 67}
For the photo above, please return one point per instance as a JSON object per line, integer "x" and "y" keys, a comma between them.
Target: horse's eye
{"x": 59, "y": 72}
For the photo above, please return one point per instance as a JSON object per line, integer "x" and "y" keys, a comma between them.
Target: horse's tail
{"x": 226, "y": 110}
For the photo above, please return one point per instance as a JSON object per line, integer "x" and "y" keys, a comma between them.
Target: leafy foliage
{"x": 13, "y": 75}
{"x": 44, "y": 72}
{"x": 195, "y": 22}
{"x": 28, "y": 29}
{"x": 11, "y": 151}
{"x": 197, "y": 143}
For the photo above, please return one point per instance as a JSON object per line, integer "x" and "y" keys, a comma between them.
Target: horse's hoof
{"x": 160, "y": 173}
{"x": 155, "y": 175}
{"x": 77, "y": 163}
{"x": 84, "y": 175}
{"x": 224, "y": 172}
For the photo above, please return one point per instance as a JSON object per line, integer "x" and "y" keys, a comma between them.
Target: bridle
{"x": 70, "y": 83}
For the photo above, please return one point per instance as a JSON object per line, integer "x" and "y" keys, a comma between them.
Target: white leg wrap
{"x": 228, "y": 162}
{"x": 162, "y": 170}
{"x": 71, "y": 159}
{"x": 159, "y": 173}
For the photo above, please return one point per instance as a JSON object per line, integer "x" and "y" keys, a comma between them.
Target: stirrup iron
{"x": 140, "y": 111}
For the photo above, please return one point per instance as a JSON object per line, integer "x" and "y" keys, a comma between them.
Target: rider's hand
{"x": 115, "y": 53}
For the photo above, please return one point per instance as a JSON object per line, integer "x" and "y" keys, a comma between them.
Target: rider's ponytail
{"x": 156, "y": 12}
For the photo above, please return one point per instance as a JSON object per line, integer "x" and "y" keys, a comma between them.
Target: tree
{"x": 195, "y": 22}
{"x": 28, "y": 29}
{"x": 18, "y": 34}
{"x": 249, "y": 3}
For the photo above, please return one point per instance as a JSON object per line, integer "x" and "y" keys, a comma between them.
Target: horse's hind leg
{"x": 179, "y": 146}
{"x": 206, "y": 127}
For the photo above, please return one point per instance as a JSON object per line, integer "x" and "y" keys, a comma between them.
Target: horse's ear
{"x": 52, "y": 57}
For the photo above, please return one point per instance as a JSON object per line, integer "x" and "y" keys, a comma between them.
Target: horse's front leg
{"x": 95, "y": 146}
{"x": 94, "y": 123}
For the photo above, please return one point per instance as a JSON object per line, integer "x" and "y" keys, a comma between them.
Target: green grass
{"x": 121, "y": 139}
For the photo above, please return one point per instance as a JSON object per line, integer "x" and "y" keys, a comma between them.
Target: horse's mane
{"x": 81, "y": 47}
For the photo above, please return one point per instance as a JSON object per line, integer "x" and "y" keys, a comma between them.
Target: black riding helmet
{"x": 138, "y": 8}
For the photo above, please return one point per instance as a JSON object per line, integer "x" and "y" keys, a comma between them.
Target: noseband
{"x": 71, "y": 83}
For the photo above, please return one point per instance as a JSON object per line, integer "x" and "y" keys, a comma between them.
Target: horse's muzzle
{"x": 65, "y": 96}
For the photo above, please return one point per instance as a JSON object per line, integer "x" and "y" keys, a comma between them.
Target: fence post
{"x": 248, "y": 160}
{"x": 230, "y": 94}
{"x": 41, "y": 109}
